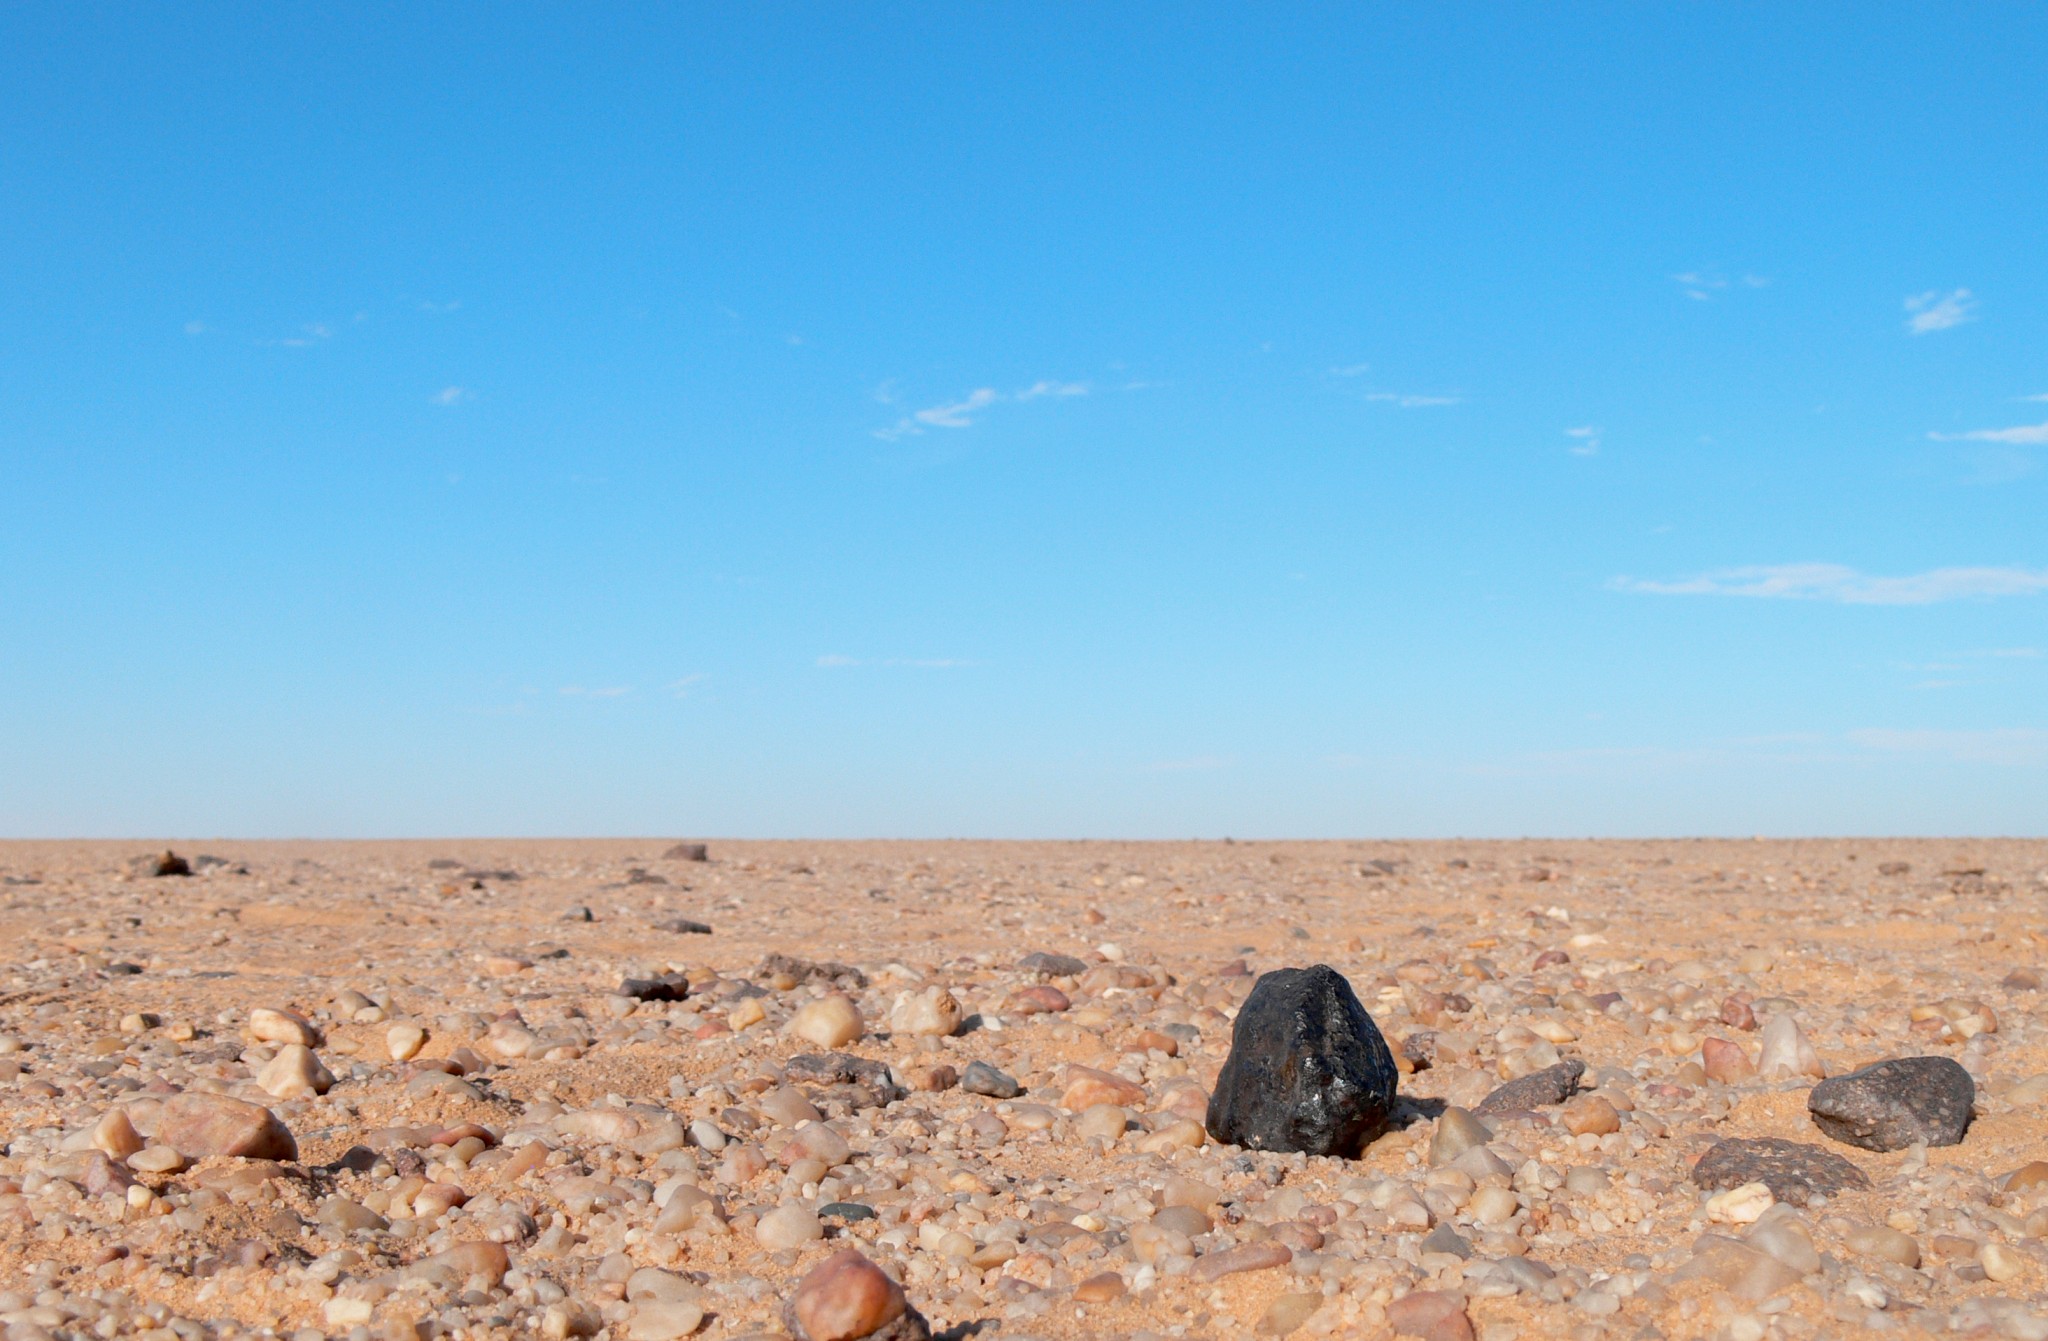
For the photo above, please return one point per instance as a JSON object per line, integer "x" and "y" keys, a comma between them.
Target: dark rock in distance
{"x": 1538, "y": 1089}
{"x": 157, "y": 865}
{"x": 1890, "y": 1105}
{"x": 683, "y": 926}
{"x": 662, "y": 987}
{"x": 806, "y": 971}
{"x": 1307, "y": 1071}
{"x": 1053, "y": 966}
{"x": 687, "y": 852}
{"x": 1792, "y": 1170}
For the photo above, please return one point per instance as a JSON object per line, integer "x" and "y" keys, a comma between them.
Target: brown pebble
{"x": 1431, "y": 1315}
{"x": 1725, "y": 1061}
{"x": 846, "y": 1297}
{"x": 199, "y": 1125}
{"x": 1102, "y": 1289}
{"x": 1086, "y": 1087}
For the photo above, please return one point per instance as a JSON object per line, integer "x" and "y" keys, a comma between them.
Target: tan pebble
{"x": 267, "y": 1025}
{"x": 1742, "y": 1205}
{"x": 1100, "y": 1289}
{"x": 929, "y": 1077}
{"x": 746, "y": 1014}
{"x": 2031, "y": 1174}
{"x": 1783, "y": 1050}
{"x": 1590, "y": 1115}
{"x": 115, "y": 1135}
{"x": 1493, "y": 1205}
{"x": 156, "y": 1159}
{"x": 202, "y": 1125}
{"x": 1151, "y": 1040}
{"x": 504, "y": 966}
{"x": 478, "y": 1257}
{"x": 569, "y": 1317}
{"x": 2000, "y": 1263}
{"x": 1286, "y": 1314}
{"x": 1087, "y": 1087}
{"x": 664, "y": 1320}
{"x": 1105, "y": 1122}
{"x": 404, "y": 1041}
{"x": 295, "y": 1073}
{"x": 830, "y": 1021}
{"x": 788, "y": 1226}
{"x": 846, "y": 1297}
{"x": 1456, "y": 1132}
{"x": 932, "y": 1012}
{"x": 1180, "y": 1134}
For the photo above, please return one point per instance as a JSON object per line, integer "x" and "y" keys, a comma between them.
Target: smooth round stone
{"x": 404, "y": 1041}
{"x": 1104, "y": 1122}
{"x": 933, "y": 1012}
{"x": 847, "y": 1297}
{"x": 2000, "y": 1263}
{"x": 115, "y": 1136}
{"x": 789, "y": 1226}
{"x": 268, "y": 1025}
{"x": 1586, "y": 1181}
{"x": 295, "y": 1073}
{"x": 1493, "y": 1205}
{"x": 1456, "y": 1132}
{"x": 1885, "y": 1242}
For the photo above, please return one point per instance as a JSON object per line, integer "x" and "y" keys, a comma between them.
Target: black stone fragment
{"x": 1793, "y": 1171}
{"x": 1538, "y": 1089}
{"x": 1053, "y": 966}
{"x": 157, "y": 865}
{"x": 981, "y": 1078}
{"x": 846, "y": 1210}
{"x": 687, "y": 852}
{"x": 1890, "y": 1105}
{"x": 683, "y": 926}
{"x": 1307, "y": 1071}
{"x": 664, "y": 987}
{"x": 853, "y": 1081}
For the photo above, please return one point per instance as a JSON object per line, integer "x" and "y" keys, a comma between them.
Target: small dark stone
{"x": 687, "y": 852}
{"x": 1538, "y": 1089}
{"x": 579, "y": 913}
{"x": 1894, "y": 867}
{"x": 869, "y": 1079}
{"x": 2022, "y": 980}
{"x": 444, "y": 864}
{"x": 636, "y": 876}
{"x": 665, "y": 987}
{"x": 1792, "y": 1170}
{"x": 157, "y": 865}
{"x": 124, "y": 969}
{"x": 1053, "y": 966}
{"x": 981, "y": 1078}
{"x": 1890, "y": 1105}
{"x": 502, "y": 877}
{"x": 1445, "y": 1239}
{"x": 1307, "y": 1070}
{"x": 846, "y": 1210}
{"x": 805, "y": 971}
{"x": 683, "y": 926}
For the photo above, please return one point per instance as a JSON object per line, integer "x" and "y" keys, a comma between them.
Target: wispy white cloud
{"x": 607, "y": 691}
{"x": 838, "y": 661}
{"x": 964, "y": 412}
{"x": 2022, "y": 435}
{"x": 1704, "y": 285}
{"x": 2034, "y": 399}
{"x": 1411, "y": 402}
{"x": 451, "y": 395}
{"x": 1844, "y": 585}
{"x": 1937, "y": 311}
{"x": 681, "y": 688}
{"x": 1587, "y": 439}
{"x": 2004, "y": 745}
{"x": 310, "y": 334}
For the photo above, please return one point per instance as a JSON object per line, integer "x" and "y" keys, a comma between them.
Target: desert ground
{"x": 481, "y": 1088}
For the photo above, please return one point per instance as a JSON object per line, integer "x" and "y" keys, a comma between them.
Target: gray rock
{"x": 1308, "y": 1070}
{"x": 1538, "y": 1089}
{"x": 1792, "y": 1170}
{"x": 1890, "y": 1105}
{"x": 981, "y": 1078}
{"x": 687, "y": 852}
{"x": 1053, "y": 966}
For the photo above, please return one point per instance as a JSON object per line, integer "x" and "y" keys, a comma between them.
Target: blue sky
{"x": 974, "y": 420}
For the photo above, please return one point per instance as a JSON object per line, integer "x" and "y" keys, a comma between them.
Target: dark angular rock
{"x": 687, "y": 852}
{"x": 853, "y": 1081}
{"x": 157, "y": 865}
{"x": 1053, "y": 966}
{"x": 1307, "y": 1071}
{"x": 1538, "y": 1089}
{"x": 1445, "y": 1239}
{"x": 1890, "y": 1105}
{"x": 579, "y": 913}
{"x": 683, "y": 926}
{"x": 981, "y": 1078}
{"x": 846, "y": 1210}
{"x": 665, "y": 987}
{"x": 1792, "y": 1170}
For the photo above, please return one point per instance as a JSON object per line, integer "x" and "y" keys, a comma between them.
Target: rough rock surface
{"x": 1890, "y": 1105}
{"x": 1792, "y": 1170}
{"x": 1538, "y": 1089}
{"x": 1307, "y": 1070}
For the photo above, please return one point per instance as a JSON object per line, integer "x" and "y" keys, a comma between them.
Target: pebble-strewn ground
{"x": 558, "y": 1159}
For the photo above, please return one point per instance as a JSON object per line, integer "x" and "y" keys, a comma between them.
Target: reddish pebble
{"x": 1087, "y": 1087}
{"x": 1551, "y": 957}
{"x": 1736, "y": 1014}
{"x": 1725, "y": 1061}
{"x": 846, "y": 1297}
{"x": 1042, "y": 999}
{"x": 1430, "y": 1315}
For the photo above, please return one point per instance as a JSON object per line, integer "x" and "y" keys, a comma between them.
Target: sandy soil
{"x": 605, "y": 1120}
